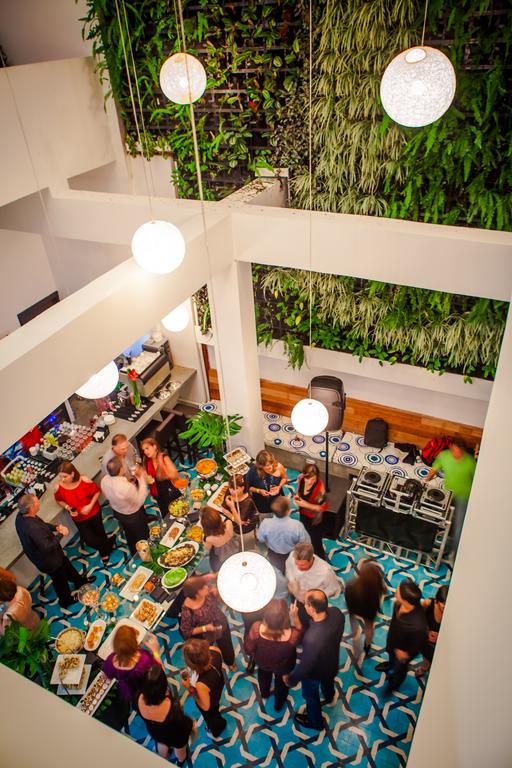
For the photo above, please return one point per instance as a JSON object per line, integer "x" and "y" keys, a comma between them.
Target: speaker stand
{"x": 326, "y": 461}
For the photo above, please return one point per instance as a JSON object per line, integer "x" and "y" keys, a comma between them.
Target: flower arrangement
{"x": 132, "y": 375}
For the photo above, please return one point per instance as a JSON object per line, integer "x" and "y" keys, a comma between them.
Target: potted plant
{"x": 209, "y": 430}
{"x": 27, "y": 651}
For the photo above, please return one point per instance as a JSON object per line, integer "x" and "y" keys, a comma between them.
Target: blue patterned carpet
{"x": 364, "y": 728}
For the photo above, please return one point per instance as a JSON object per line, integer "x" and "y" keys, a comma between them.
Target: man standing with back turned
{"x": 319, "y": 663}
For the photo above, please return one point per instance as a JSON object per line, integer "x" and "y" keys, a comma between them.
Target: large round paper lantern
{"x": 418, "y": 86}
{"x": 177, "y": 320}
{"x": 246, "y": 582}
{"x": 101, "y": 384}
{"x": 309, "y": 417}
{"x": 158, "y": 247}
{"x": 182, "y": 78}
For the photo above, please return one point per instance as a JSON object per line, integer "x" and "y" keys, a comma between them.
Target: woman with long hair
{"x": 312, "y": 503}
{"x": 79, "y": 495}
{"x": 128, "y": 662}
{"x": 201, "y": 617}
{"x": 243, "y": 511}
{"x": 265, "y": 480}
{"x": 434, "y": 611}
{"x": 363, "y": 596}
{"x": 163, "y": 715}
{"x": 272, "y": 644}
{"x": 204, "y": 681}
{"x": 219, "y": 538}
{"x": 161, "y": 475}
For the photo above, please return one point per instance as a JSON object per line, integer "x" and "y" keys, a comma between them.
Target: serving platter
{"x": 73, "y": 675}
{"x": 218, "y": 497}
{"x": 146, "y": 613}
{"x": 80, "y": 687}
{"x": 69, "y": 640}
{"x": 95, "y": 635}
{"x": 172, "y": 535}
{"x": 95, "y": 694}
{"x": 181, "y": 572}
{"x": 108, "y": 645}
{"x": 136, "y": 583}
{"x": 165, "y": 560}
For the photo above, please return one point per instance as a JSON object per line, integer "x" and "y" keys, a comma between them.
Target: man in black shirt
{"x": 407, "y": 634}
{"x": 319, "y": 663}
{"x": 43, "y": 549}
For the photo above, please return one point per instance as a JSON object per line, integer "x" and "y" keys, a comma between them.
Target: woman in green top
{"x": 458, "y": 468}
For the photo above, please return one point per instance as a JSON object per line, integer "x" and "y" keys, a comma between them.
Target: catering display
{"x": 218, "y": 498}
{"x": 178, "y": 508}
{"x": 172, "y": 535}
{"x": 95, "y": 694}
{"x": 69, "y": 640}
{"x": 95, "y": 635}
{"x": 132, "y": 588}
{"x": 68, "y": 669}
{"x": 181, "y": 554}
{"x": 146, "y": 613}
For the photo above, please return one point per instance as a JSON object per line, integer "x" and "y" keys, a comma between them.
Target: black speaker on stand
{"x": 329, "y": 391}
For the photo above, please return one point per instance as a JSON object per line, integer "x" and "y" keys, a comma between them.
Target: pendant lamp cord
{"x": 134, "y": 110}
{"x": 424, "y": 23}
{"x": 310, "y": 169}
{"x": 178, "y": 10}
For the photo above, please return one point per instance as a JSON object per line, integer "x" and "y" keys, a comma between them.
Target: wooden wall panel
{"x": 404, "y": 426}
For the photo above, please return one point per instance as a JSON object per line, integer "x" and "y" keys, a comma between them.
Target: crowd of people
{"x": 295, "y": 639}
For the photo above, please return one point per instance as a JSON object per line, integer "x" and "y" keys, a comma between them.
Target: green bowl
{"x": 175, "y": 577}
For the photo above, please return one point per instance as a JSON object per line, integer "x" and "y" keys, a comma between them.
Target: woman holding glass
{"x": 265, "y": 480}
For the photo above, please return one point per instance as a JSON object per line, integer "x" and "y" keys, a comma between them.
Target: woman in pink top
{"x": 19, "y": 603}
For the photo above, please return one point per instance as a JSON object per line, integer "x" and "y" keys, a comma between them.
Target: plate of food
{"x": 146, "y": 613}
{"x": 70, "y": 640}
{"x": 95, "y": 694}
{"x": 238, "y": 469}
{"x": 237, "y": 456}
{"x": 117, "y": 579}
{"x": 107, "y": 647}
{"x": 206, "y": 467}
{"x": 178, "y": 508}
{"x": 79, "y": 688}
{"x": 68, "y": 669}
{"x": 179, "y": 555}
{"x": 195, "y": 533}
{"x": 154, "y": 532}
{"x": 172, "y": 535}
{"x": 175, "y": 577}
{"x": 95, "y": 635}
{"x": 109, "y": 602}
{"x": 217, "y": 500}
{"x": 197, "y": 494}
{"x": 134, "y": 585}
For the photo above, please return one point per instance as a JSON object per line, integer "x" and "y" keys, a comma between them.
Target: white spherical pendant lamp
{"x": 158, "y": 247}
{"x": 418, "y": 86}
{"x": 101, "y": 384}
{"x": 177, "y": 320}
{"x": 309, "y": 417}
{"x": 246, "y": 582}
{"x": 182, "y": 78}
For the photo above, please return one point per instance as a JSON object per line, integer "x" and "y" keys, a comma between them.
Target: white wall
{"x": 42, "y": 30}
{"x": 465, "y": 716}
{"x": 132, "y": 176}
{"x": 75, "y": 263}
{"x": 186, "y": 351}
{"x": 25, "y": 275}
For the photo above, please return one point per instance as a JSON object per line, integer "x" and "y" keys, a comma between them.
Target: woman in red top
{"x": 79, "y": 496}
{"x": 312, "y": 503}
{"x": 165, "y": 484}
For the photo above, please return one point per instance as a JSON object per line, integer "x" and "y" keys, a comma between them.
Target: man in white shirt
{"x": 127, "y": 500}
{"x": 306, "y": 571}
{"x": 123, "y": 450}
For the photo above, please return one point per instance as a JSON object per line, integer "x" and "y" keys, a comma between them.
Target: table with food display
{"x": 140, "y": 595}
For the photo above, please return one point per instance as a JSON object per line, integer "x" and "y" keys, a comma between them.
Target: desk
{"x": 88, "y": 463}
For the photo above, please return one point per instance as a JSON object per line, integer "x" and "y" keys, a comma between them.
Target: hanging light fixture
{"x": 309, "y": 417}
{"x": 246, "y": 582}
{"x": 158, "y": 247}
{"x": 183, "y": 78}
{"x": 178, "y": 319}
{"x": 418, "y": 86}
{"x": 101, "y": 384}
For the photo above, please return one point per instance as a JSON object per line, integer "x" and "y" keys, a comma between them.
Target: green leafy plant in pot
{"x": 209, "y": 430}
{"x": 27, "y": 651}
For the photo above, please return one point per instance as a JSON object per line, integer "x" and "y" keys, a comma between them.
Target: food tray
{"x": 99, "y": 635}
{"x": 79, "y": 644}
{"x": 130, "y": 594}
{"x": 150, "y": 606}
{"x": 107, "y": 647}
{"x": 206, "y": 468}
{"x": 23, "y": 471}
{"x": 162, "y": 562}
{"x": 95, "y": 694}
{"x": 237, "y": 469}
{"x": 218, "y": 497}
{"x": 237, "y": 456}
{"x": 72, "y": 676}
{"x": 183, "y": 573}
{"x": 170, "y": 541}
{"x": 80, "y": 688}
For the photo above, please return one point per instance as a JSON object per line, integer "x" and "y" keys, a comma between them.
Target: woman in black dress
{"x": 161, "y": 711}
{"x": 205, "y": 681}
{"x": 434, "y": 610}
{"x": 312, "y": 503}
{"x": 265, "y": 480}
{"x": 363, "y": 596}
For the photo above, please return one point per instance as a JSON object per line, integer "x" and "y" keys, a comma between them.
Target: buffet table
{"x": 88, "y": 463}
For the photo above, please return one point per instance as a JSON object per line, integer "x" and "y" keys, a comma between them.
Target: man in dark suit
{"x": 43, "y": 549}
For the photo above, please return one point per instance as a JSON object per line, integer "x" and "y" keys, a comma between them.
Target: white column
{"x": 465, "y": 716}
{"x": 236, "y": 351}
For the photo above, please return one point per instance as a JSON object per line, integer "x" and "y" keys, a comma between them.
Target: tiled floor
{"x": 365, "y": 729}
